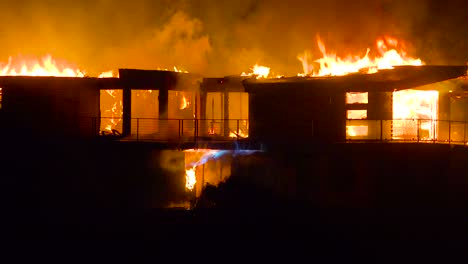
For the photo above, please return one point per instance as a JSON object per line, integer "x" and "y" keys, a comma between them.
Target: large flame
{"x": 190, "y": 178}
{"x": 109, "y": 74}
{"x": 390, "y": 54}
{"x": 205, "y": 156}
{"x": 46, "y": 66}
{"x": 258, "y": 71}
{"x": 184, "y": 103}
{"x": 116, "y": 111}
{"x": 419, "y": 105}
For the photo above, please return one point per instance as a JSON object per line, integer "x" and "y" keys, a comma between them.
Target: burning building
{"x": 362, "y": 100}
{"x": 355, "y": 106}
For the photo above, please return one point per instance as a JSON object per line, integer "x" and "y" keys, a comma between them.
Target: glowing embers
{"x": 415, "y": 114}
{"x": 357, "y": 131}
{"x": 356, "y": 114}
{"x": 357, "y": 98}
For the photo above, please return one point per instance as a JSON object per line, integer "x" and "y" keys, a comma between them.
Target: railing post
{"x": 178, "y": 130}
{"x": 237, "y": 129}
{"x": 138, "y": 129}
{"x": 195, "y": 132}
{"x": 93, "y": 126}
{"x": 419, "y": 128}
{"x": 181, "y": 130}
{"x": 450, "y": 131}
{"x": 464, "y": 133}
{"x": 182, "y": 127}
{"x": 381, "y": 130}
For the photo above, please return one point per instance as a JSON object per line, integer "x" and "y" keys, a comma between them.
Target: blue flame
{"x": 213, "y": 154}
{"x": 209, "y": 155}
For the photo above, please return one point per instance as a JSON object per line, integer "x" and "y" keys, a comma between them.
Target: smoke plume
{"x": 217, "y": 38}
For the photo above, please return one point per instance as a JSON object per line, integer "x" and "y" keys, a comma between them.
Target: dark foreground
{"x": 56, "y": 207}
{"x": 286, "y": 234}
{"x": 235, "y": 222}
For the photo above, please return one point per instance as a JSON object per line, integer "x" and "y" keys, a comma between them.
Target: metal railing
{"x": 225, "y": 130}
{"x": 177, "y": 130}
{"x": 407, "y": 130}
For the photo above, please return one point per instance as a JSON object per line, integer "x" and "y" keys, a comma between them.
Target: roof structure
{"x": 399, "y": 78}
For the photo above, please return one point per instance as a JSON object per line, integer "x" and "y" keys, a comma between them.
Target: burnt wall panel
{"x": 444, "y": 116}
{"x": 380, "y": 107}
{"x": 51, "y": 107}
{"x": 293, "y": 115}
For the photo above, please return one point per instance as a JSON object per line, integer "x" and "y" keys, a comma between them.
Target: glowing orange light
{"x": 390, "y": 54}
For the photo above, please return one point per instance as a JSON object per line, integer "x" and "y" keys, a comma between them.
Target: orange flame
{"x": 116, "y": 111}
{"x": 185, "y": 103}
{"x": 239, "y": 134}
{"x": 390, "y": 54}
{"x": 46, "y": 66}
{"x": 258, "y": 71}
{"x": 109, "y": 74}
{"x": 174, "y": 69}
{"x": 190, "y": 178}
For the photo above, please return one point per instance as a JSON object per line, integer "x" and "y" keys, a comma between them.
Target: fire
{"x": 115, "y": 111}
{"x": 46, "y": 66}
{"x": 201, "y": 156}
{"x": 190, "y": 178}
{"x": 108, "y": 74}
{"x": 174, "y": 69}
{"x": 258, "y": 71}
{"x": 185, "y": 103}
{"x": 418, "y": 105}
{"x": 117, "y": 108}
{"x": 240, "y": 134}
{"x": 354, "y": 131}
{"x": 390, "y": 54}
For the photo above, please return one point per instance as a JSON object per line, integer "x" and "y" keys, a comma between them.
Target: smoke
{"x": 178, "y": 43}
{"x": 217, "y": 38}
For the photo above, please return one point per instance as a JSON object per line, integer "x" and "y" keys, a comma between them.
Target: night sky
{"x": 216, "y": 38}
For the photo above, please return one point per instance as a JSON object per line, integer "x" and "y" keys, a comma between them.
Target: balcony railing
{"x": 222, "y": 130}
{"x": 177, "y": 130}
{"x": 408, "y": 130}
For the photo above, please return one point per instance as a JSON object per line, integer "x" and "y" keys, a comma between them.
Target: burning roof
{"x": 401, "y": 77}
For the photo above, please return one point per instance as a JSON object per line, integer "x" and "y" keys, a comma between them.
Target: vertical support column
{"x": 381, "y": 130}
{"x": 203, "y": 126}
{"x": 226, "y": 113}
{"x": 419, "y": 128}
{"x": 127, "y": 111}
{"x": 464, "y": 133}
{"x": 444, "y": 117}
{"x": 163, "y": 103}
{"x": 165, "y": 125}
